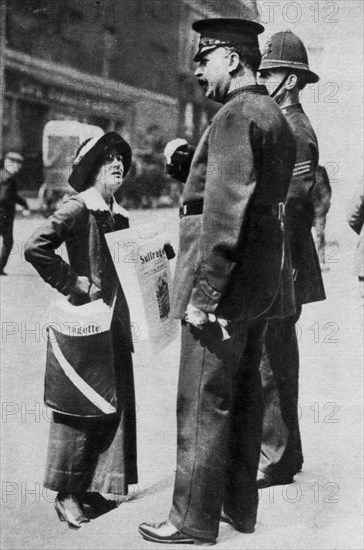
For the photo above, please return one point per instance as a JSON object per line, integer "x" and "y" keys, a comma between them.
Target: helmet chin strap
{"x": 273, "y": 94}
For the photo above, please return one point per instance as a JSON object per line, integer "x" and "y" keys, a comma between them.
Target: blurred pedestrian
{"x": 355, "y": 217}
{"x": 87, "y": 455}
{"x": 233, "y": 272}
{"x": 321, "y": 199}
{"x": 9, "y": 197}
{"x": 285, "y": 71}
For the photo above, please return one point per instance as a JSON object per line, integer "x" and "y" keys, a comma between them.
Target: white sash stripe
{"x": 80, "y": 384}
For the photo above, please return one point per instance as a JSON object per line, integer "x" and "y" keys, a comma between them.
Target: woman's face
{"x": 110, "y": 175}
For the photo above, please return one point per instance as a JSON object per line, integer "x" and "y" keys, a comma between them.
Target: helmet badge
{"x": 267, "y": 49}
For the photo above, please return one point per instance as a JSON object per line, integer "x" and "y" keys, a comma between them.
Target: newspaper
{"x": 145, "y": 276}
{"x": 86, "y": 320}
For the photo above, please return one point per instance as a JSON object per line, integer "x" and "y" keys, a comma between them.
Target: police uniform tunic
{"x": 229, "y": 261}
{"x": 281, "y": 453}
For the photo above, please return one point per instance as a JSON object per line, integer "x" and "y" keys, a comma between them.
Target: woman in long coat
{"x": 88, "y": 456}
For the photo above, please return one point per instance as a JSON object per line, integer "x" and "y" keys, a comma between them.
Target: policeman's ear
{"x": 234, "y": 62}
{"x": 291, "y": 82}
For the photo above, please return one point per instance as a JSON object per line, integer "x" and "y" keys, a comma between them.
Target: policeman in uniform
{"x": 284, "y": 70}
{"x": 233, "y": 272}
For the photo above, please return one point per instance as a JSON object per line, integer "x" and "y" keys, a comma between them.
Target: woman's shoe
{"x": 69, "y": 509}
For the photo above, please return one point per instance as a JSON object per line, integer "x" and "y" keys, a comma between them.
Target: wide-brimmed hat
{"x": 91, "y": 153}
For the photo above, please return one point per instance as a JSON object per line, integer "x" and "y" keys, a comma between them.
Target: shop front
{"x": 30, "y": 103}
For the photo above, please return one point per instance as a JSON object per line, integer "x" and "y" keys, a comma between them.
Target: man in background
{"x": 9, "y": 197}
{"x": 355, "y": 218}
{"x": 321, "y": 199}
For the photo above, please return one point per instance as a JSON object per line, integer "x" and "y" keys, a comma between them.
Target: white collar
{"x": 94, "y": 201}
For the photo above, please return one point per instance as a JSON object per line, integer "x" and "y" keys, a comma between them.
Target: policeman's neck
{"x": 291, "y": 97}
{"x": 241, "y": 80}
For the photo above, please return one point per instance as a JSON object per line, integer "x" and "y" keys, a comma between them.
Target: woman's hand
{"x": 82, "y": 285}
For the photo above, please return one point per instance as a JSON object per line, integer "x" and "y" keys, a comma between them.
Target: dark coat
{"x": 82, "y": 230}
{"x": 300, "y": 211}
{"x": 9, "y": 197}
{"x": 87, "y": 454}
{"x": 230, "y": 257}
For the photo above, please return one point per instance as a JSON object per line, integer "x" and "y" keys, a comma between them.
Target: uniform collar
{"x": 294, "y": 107}
{"x": 95, "y": 202}
{"x": 251, "y": 89}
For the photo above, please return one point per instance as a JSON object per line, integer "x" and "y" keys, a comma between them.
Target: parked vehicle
{"x": 61, "y": 139}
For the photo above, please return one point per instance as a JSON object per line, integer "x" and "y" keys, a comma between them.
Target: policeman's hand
{"x": 196, "y": 317}
{"x": 26, "y": 212}
{"x": 82, "y": 285}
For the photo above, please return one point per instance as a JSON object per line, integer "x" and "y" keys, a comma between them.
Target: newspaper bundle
{"x": 145, "y": 276}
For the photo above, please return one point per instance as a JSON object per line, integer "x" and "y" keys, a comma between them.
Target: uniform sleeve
{"x": 230, "y": 182}
{"x": 300, "y": 207}
{"x": 40, "y": 249}
{"x": 304, "y": 172}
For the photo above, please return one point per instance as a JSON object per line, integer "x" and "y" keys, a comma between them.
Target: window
{"x": 188, "y": 38}
{"x": 158, "y": 68}
{"x": 110, "y": 42}
{"x": 189, "y": 125}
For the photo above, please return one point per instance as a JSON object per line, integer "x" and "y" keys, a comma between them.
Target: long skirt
{"x": 97, "y": 454}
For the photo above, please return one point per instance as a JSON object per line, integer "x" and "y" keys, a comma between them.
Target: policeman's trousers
{"x": 219, "y": 416}
{"x": 281, "y": 453}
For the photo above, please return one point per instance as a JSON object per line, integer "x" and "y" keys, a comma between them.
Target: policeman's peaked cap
{"x": 286, "y": 50}
{"x": 226, "y": 32}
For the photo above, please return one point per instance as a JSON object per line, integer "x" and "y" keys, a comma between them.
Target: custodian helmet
{"x": 286, "y": 50}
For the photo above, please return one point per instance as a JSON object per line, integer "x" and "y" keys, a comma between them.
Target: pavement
{"x": 322, "y": 509}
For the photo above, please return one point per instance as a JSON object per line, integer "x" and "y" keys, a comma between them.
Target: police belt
{"x": 194, "y": 208}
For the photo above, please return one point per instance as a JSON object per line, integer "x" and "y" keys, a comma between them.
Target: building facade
{"x": 124, "y": 65}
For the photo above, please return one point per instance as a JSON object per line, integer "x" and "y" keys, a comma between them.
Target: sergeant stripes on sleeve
{"x": 301, "y": 168}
